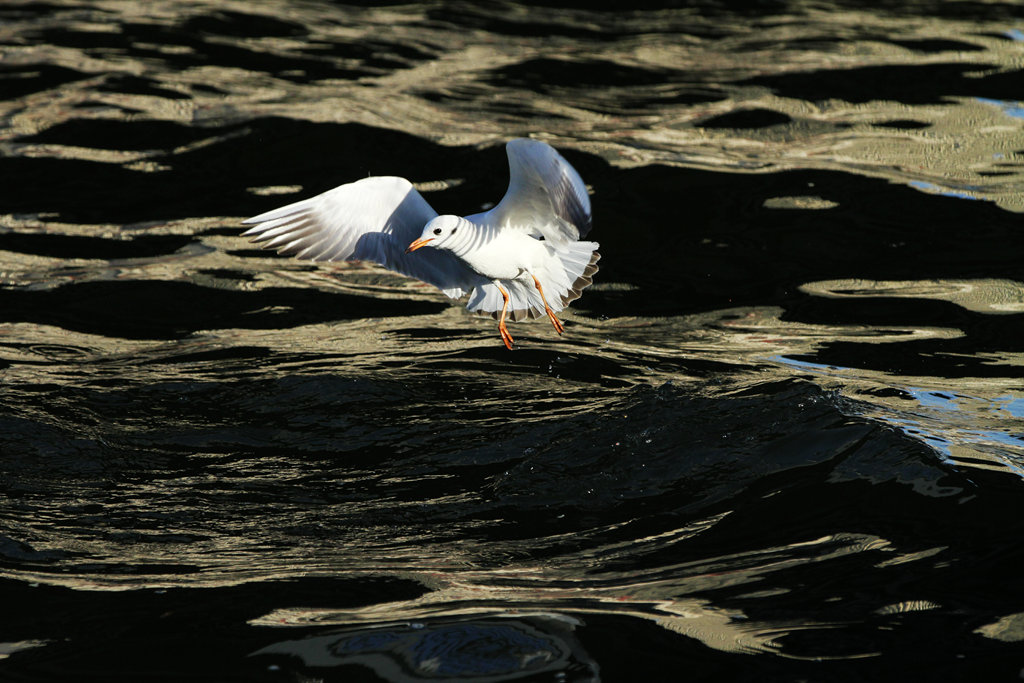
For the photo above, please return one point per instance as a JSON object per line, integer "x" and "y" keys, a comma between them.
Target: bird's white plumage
{"x": 534, "y": 231}
{"x": 373, "y": 219}
{"x": 545, "y": 197}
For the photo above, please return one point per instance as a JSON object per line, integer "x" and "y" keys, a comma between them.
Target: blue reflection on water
{"x": 947, "y": 419}
{"x": 953, "y": 403}
{"x": 932, "y": 399}
{"x": 1014, "y": 406}
{"x": 1010, "y": 108}
{"x": 937, "y": 189}
{"x": 1014, "y": 33}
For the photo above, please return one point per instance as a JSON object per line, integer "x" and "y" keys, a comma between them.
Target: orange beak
{"x": 419, "y": 243}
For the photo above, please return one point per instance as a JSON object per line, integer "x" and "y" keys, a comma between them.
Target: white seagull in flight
{"x": 522, "y": 259}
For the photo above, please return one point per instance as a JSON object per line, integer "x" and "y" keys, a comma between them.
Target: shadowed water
{"x": 780, "y": 438}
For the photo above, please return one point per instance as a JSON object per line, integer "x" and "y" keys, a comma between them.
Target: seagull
{"x": 522, "y": 259}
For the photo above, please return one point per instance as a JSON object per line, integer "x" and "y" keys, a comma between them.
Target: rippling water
{"x": 780, "y": 440}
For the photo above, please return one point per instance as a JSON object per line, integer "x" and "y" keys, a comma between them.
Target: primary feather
{"x": 372, "y": 219}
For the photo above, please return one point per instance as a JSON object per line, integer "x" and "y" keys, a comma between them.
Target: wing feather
{"x": 373, "y": 219}
{"x": 545, "y": 195}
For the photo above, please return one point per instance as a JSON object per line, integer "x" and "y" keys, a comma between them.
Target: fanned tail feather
{"x": 581, "y": 265}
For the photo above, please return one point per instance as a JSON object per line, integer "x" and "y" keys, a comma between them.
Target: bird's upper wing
{"x": 545, "y": 196}
{"x": 372, "y": 219}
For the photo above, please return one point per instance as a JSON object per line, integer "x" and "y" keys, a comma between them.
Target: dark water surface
{"x": 781, "y": 438}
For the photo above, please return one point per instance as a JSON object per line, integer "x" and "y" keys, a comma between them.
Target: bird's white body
{"x": 495, "y": 254}
{"x": 522, "y": 259}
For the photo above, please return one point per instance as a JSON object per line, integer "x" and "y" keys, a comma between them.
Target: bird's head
{"x": 437, "y": 232}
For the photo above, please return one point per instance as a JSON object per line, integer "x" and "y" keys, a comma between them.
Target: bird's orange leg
{"x": 559, "y": 328}
{"x": 505, "y": 336}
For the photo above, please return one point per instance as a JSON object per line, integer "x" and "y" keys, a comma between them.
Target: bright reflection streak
{"x": 667, "y": 601}
{"x": 963, "y": 428}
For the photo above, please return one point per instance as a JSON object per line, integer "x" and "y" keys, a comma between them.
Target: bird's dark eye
{"x": 437, "y": 231}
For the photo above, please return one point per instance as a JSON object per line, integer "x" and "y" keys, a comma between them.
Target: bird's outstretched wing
{"x": 372, "y": 219}
{"x": 545, "y": 196}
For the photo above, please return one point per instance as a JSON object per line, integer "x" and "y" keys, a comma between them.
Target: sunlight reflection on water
{"x": 780, "y": 425}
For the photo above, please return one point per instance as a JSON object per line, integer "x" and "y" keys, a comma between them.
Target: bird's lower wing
{"x": 523, "y": 300}
{"x": 372, "y": 219}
